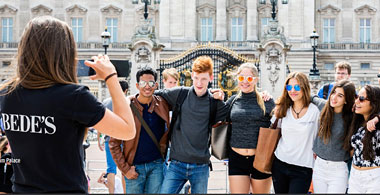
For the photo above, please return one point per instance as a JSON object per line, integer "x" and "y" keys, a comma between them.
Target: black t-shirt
{"x": 45, "y": 129}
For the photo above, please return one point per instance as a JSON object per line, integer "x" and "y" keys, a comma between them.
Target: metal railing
{"x": 349, "y": 46}
{"x": 231, "y": 44}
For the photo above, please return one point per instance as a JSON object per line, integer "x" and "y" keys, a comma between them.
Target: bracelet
{"x": 109, "y": 76}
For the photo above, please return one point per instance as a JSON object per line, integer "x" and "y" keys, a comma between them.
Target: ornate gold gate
{"x": 225, "y": 61}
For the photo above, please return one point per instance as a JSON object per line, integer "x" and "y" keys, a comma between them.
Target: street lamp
{"x": 314, "y": 73}
{"x": 106, "y": 36}
{"x": 147, "y": 2}
{"x": 274, "y": 3}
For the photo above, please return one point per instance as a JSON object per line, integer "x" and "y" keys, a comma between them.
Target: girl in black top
{"x": 45, "y": 112}
{"x": 249, "y": 112}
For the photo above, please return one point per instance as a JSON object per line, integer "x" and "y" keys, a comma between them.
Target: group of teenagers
{"x": 46, "y": 115}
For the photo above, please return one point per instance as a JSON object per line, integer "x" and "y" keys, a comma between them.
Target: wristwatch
{"x": 378, "y": 75}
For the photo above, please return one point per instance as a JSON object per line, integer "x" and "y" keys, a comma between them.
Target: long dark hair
{"x": 46, "y": 55}
{"x": 373, "y": 95}
{"x": 327, "y": 114}
{"x": 284, "y": 102}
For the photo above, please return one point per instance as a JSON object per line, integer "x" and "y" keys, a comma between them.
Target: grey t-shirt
{"x": 333, "y": 150}
{"x": 190, "y": 136}
{"x": 247, "y": 117}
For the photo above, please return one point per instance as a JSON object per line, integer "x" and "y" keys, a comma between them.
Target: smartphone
{"x": 123, "y": 68}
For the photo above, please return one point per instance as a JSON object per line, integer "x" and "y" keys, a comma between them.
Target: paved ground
{"x": 96, "y": 164}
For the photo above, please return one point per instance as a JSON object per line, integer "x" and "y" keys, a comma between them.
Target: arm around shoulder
{"x": 319, "y": 102}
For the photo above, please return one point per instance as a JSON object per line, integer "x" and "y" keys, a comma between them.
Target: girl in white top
{"x": 292, "y": 167}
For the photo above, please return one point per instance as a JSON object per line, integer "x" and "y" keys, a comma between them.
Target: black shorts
{"x": 243, "y": 165}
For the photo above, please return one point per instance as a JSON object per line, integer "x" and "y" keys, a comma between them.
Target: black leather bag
{"x": 219, "y": 140}
{"x": 220, "y": 137}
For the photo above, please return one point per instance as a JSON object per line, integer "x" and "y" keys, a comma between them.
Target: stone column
{"x": 164, "y": 20}
{"x": 59, "y": 11}
{"x": 252, "y": 20}
{"x": 190, "y": 20}
{"x": 221, "y": 20}
{"x": 24, "y": 17}
{"x": 177, "y": 26}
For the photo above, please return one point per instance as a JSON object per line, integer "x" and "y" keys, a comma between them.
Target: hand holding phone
{"x": 102, "y": 66}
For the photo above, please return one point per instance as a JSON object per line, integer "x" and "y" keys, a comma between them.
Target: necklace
{"x": 298, "y": 113}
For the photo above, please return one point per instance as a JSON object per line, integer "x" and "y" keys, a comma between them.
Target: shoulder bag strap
{"x": 146, "y": 127}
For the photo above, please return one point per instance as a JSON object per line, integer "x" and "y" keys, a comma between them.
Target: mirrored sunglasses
{"x": 247, "y": 78}
{"x": 290, "y": 87}
{"x": 149, "y": 83}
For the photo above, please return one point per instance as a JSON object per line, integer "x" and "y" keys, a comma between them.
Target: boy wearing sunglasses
{"x": 141, "y": 159}
{"x": 342, "y": 72}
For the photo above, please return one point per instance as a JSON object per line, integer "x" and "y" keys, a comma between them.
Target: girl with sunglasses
{"x": 364, "y": 143}
{"x": 330, "y": 173}
{"x": 293, "y": 163}
{"x": 249, "y": 112}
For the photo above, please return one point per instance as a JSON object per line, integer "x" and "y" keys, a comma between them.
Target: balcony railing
{"x": 349, "y": 46}
{"x": 9, "y": 45}
{"x": 231, "y": 44}
{"x": 80, "y": 45}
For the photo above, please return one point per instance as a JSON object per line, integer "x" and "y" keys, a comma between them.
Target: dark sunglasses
{"x": 149, "y": 83}
{"x": 296, "y": 87}
{"x": 361, "y": 98}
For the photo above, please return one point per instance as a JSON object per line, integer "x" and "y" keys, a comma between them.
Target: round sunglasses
{"x": 290, "y": 87}
{"x": 247, "y": 78}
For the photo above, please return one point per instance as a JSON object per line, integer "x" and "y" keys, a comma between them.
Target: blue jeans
{"x": 149, "y": 180}
{"x": 111, "y": 166}
{"x": 179, "y": 172}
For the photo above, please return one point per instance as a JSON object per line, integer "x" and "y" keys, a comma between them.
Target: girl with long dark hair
{"x": 365, "y": 144}
{"x": 330, "y": 172}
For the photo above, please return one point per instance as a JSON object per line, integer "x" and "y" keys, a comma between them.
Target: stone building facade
{"x": 349, "y": 29}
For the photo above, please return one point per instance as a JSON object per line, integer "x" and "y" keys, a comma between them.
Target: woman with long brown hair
{"x": 45, "y": 112}
{"x": 293, "y": 163}
{"x": 365, "y": 144}
{"x": 330, "y": 173}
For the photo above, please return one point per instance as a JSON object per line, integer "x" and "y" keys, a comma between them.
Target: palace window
{"x": 206, "y": 29}
{"x": 112, "y": 28}
{"x": 236, "y": 29}
{"x": 329, "y": 30}
{"x": 365, "y": 30}
{"x": 7, "y": 29}
{"x": 77, "y": 26}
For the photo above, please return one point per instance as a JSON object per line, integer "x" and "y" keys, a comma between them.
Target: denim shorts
{"x": 243, "y": 165}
